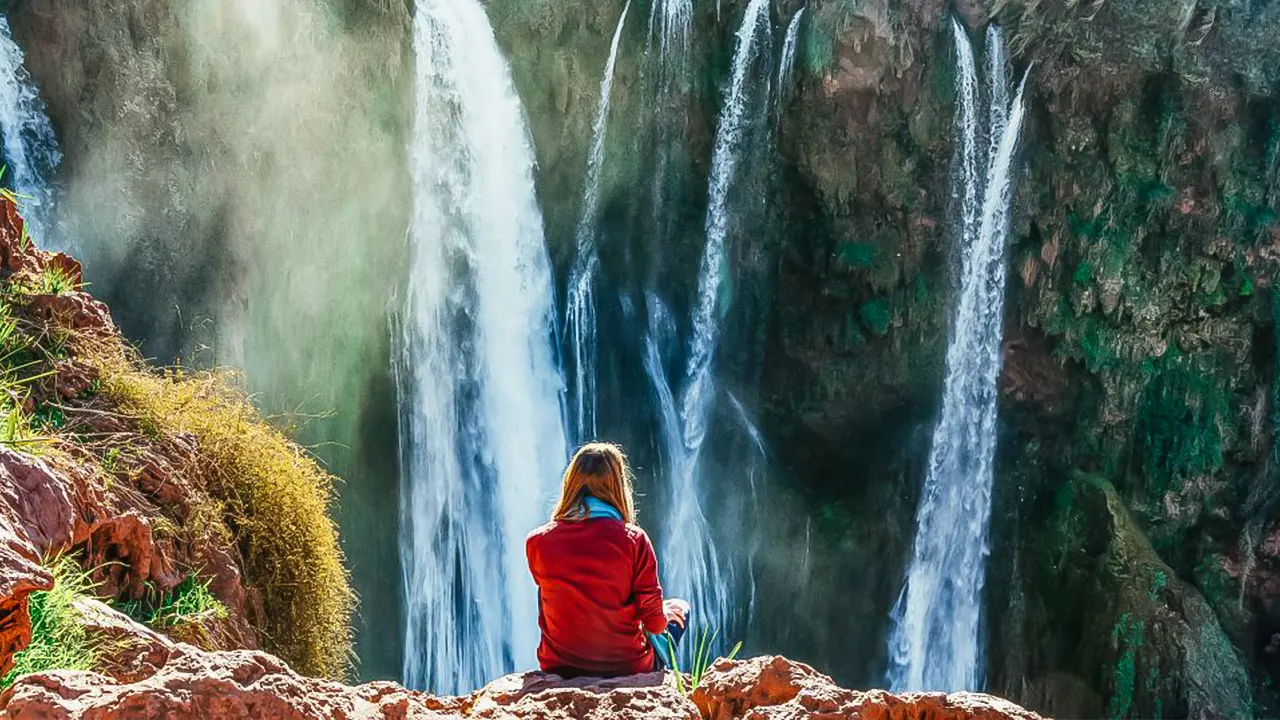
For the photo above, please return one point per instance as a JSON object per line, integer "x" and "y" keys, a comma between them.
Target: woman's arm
{"x": 645, "y": 588}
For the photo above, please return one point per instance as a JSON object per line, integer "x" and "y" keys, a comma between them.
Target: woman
{"x": 599, "y": 602}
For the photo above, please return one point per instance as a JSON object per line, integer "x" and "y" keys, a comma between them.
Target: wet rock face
{"x": 1146, "y": 637}
{"x": 217, "y": 686}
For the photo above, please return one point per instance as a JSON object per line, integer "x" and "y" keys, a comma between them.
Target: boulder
{"x": 128, "y": 652}
{"x": 50, "y": 507}
{"x": 73, "y": 310}
{"x": 775, "y": 688}
{"x": 540, "y": 696}
{"x": 1139, "y": 636}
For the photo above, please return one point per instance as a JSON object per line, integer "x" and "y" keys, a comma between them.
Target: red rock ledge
{"x": 191, "y": 683}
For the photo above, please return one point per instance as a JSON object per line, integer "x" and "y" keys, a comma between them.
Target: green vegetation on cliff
{"x": 275, "y": 496}
{"x": 224, "y": 501}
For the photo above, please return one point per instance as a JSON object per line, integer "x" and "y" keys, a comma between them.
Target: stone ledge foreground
{"x": 191, "y": 683}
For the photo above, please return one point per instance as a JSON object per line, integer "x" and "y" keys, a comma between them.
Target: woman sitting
{"x": 600, "y": 606}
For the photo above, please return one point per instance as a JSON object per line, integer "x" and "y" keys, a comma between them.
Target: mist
{"x": 235, "y": 185}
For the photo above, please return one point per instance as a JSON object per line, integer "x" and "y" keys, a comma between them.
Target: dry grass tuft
{"x": 273, "y": 495}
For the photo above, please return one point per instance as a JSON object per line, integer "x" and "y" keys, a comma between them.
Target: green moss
{"x": 857, "y": 255}
{"x": 817, "y": 42}
{"x": 851, "y": 338}
{"x": 1086, "y": 228}
{"x": 876, "y": 317}
{"x": 1181, "y": 417}
{"x": 1083, "y": 274}
{"x": 922, "y": 291}
{"x": 1159, "y": 581}
{"x": 1128, "y": 636}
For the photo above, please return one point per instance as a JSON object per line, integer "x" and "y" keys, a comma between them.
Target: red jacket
{"x": 598, "y": 592}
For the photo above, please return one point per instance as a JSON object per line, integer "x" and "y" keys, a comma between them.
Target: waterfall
{"x": 697, "y": 394}
{"x": 935, "y": 643}
{"x": 580, "y": 313}
{"x": 692, "y": 566}
{"x": 670, "y": 21}
{"x": 788, "y": 54}
{"x": 666, "y": 74}
{"x": 30, "y": 148}
{"x": 481, "y": 432}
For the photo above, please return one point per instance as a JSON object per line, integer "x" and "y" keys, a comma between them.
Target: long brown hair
{"x": 601, "y": 471}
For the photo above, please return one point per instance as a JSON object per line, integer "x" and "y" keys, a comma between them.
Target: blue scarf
{"x": 598, "y": 509}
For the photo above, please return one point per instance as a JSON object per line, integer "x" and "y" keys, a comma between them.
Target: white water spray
{"x": 580, "y": 312}
{"x": 30, "y": 149}
{"x": 670, "y": 23}
{"x": 482, "y": 437}
{"x": 935, "y": 643}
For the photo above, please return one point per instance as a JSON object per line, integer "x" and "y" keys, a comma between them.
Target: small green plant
{"x": 12, "y": 342}
{"x": 111, "y": 461}
{"x": 56, "y": 281}
{"x": 50, "y": 418}
{"x": 59, "y": 640}
{"x": 189, "y": 602}
{"x": 702, "y": 660}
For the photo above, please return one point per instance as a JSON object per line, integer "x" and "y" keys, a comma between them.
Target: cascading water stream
{"x": 695, "y": 399}
{"x": 935, "y": 643}
{"x": 580, "y": 312}
{"x": 670, "y": 22}
{"x": 788, "y": 60}
{"x": 667, "y": 70}
{"x": 481, "y": 432}
{"x": 692, "y": 566}
{"x": 30, "y": 149}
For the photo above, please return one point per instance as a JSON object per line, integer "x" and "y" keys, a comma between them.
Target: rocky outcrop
{"x": 774, "y": 688}
{"x": 106, "y": 490}
{"x": 222, "y": 685}
{"x": 1137, "y": 630}
{"x": 51, "y": 506}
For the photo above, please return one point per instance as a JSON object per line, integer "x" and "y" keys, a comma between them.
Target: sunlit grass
{"x": 250, "y": 485}
{"x": 702, "y": 660}
{"x": 59, "y": 639}
{"x": 189, "y": 602}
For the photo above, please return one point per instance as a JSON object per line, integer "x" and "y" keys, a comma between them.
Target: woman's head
{"x": 599, "y": 470}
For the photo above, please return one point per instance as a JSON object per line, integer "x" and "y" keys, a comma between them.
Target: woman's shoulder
{"x": 636, "y": 532}
{"x": 542, "y": 530}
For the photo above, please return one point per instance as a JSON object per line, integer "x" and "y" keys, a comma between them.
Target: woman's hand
{"x": 677, "y": 611}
